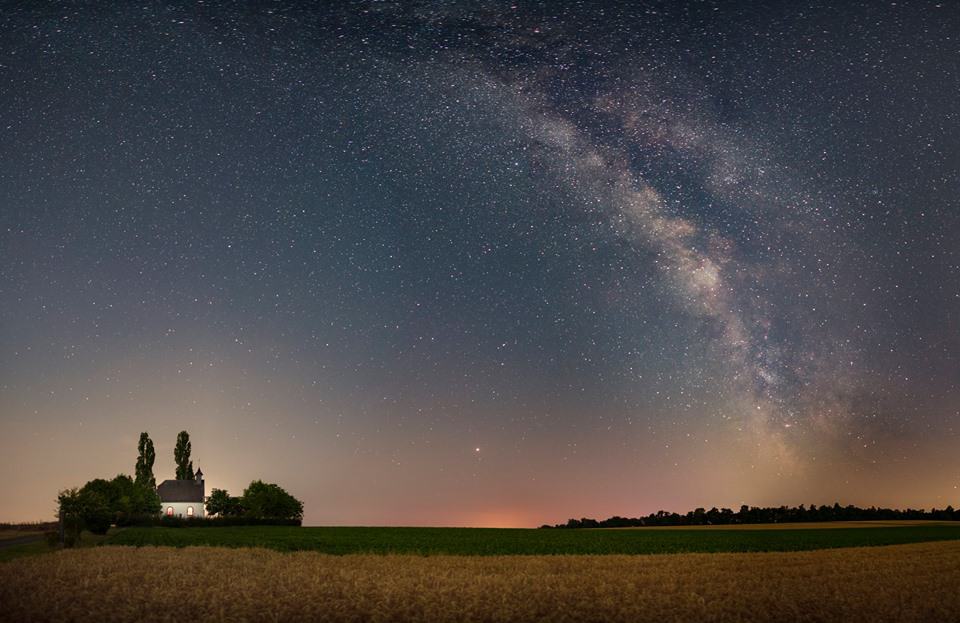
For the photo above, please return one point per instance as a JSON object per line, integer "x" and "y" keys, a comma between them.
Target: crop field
{"x": 26, "y": 549}
{"x": 498, "y": 542}
{"x": 915, "y": 582}
{"x": 9, "y": 535}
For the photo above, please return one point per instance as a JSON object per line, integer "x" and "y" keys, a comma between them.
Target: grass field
{"x": 13, "y": 551}
{"x": 24, "y": 549}
{"x": 493, "y": 541}
{"x": 914, "y": 582}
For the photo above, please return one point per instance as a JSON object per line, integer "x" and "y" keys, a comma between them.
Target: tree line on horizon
{"x": 766, "y": 514}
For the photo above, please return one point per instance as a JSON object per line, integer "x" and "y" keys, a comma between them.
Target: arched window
{"x": 189, "y": 511}
{"x": 169, "y": 511}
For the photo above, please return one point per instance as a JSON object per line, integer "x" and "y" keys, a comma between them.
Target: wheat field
{"x": 916, "y": 582}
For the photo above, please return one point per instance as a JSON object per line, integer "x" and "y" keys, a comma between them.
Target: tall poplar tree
{"x": 181, "y": 454}
{"x": 144, "y": 471}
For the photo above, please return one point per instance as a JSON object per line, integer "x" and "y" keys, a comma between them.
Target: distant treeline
{"x": 754, "y": 514}
{"x": 29, "y": 526}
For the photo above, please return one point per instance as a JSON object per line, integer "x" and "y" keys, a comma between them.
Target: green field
{"x": 495, "y": 541}
{"x": 26, "y": 549}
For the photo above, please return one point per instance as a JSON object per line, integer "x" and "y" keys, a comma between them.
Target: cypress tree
{"x": 181, "y": 454}
{"x": 146, "y": 457}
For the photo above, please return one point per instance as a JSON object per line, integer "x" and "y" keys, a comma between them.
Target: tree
{"x": 129, "y": 499}
{"x": 263, "y": 500}
{"x": 70, "y": 511}
{"x": 100, "y": 503}
{"x": 181, "y": 454}
{"x": 90, "y": 506}
{"x": 144, "y": 471}
{"x": 221, "y": 503}
{"x": 699, "y": 517}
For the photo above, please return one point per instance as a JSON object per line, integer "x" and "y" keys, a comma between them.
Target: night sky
{"x": 484, "y": 263}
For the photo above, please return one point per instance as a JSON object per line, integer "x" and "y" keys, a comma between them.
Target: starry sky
{"x": 484, "y": 263}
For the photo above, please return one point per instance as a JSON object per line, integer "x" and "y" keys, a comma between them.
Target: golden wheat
{"x": 916, "y": 582}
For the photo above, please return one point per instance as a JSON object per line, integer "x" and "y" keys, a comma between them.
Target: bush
{"x": 266, "y": 500}
{"x": 221, "y": 503}
{"x": 100, "y": 503}
{"x": 98, "y": 522}
{"x": 210, "y": 522}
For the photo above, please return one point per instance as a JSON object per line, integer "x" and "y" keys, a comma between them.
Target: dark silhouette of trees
{"x": 260, "y": 500}
{"x": 143, "y": 475}
{"x": 756, "y": 515}
{"x": 181, "y": 454}
{"x": 221, "y": 503}
{"x": 101, "y": 503}
{"x": 263, "y": 500}
{"x": 71, "y": 509}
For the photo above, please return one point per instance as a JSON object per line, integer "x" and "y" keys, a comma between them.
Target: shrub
{"x": 210, "y": 522}
{"x": 266, "y": 500}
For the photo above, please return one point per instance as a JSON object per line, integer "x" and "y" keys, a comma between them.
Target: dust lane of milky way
{"x": 484, "y": 263}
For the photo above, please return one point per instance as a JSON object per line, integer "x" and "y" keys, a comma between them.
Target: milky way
{"x": 485, "y": 263}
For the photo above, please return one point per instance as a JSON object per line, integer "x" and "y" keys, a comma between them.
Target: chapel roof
{"x": 180, "y": 491}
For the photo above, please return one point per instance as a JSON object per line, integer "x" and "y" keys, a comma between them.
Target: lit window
{"x": 189, "y": 511}
{"x": 169, "y": 511}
